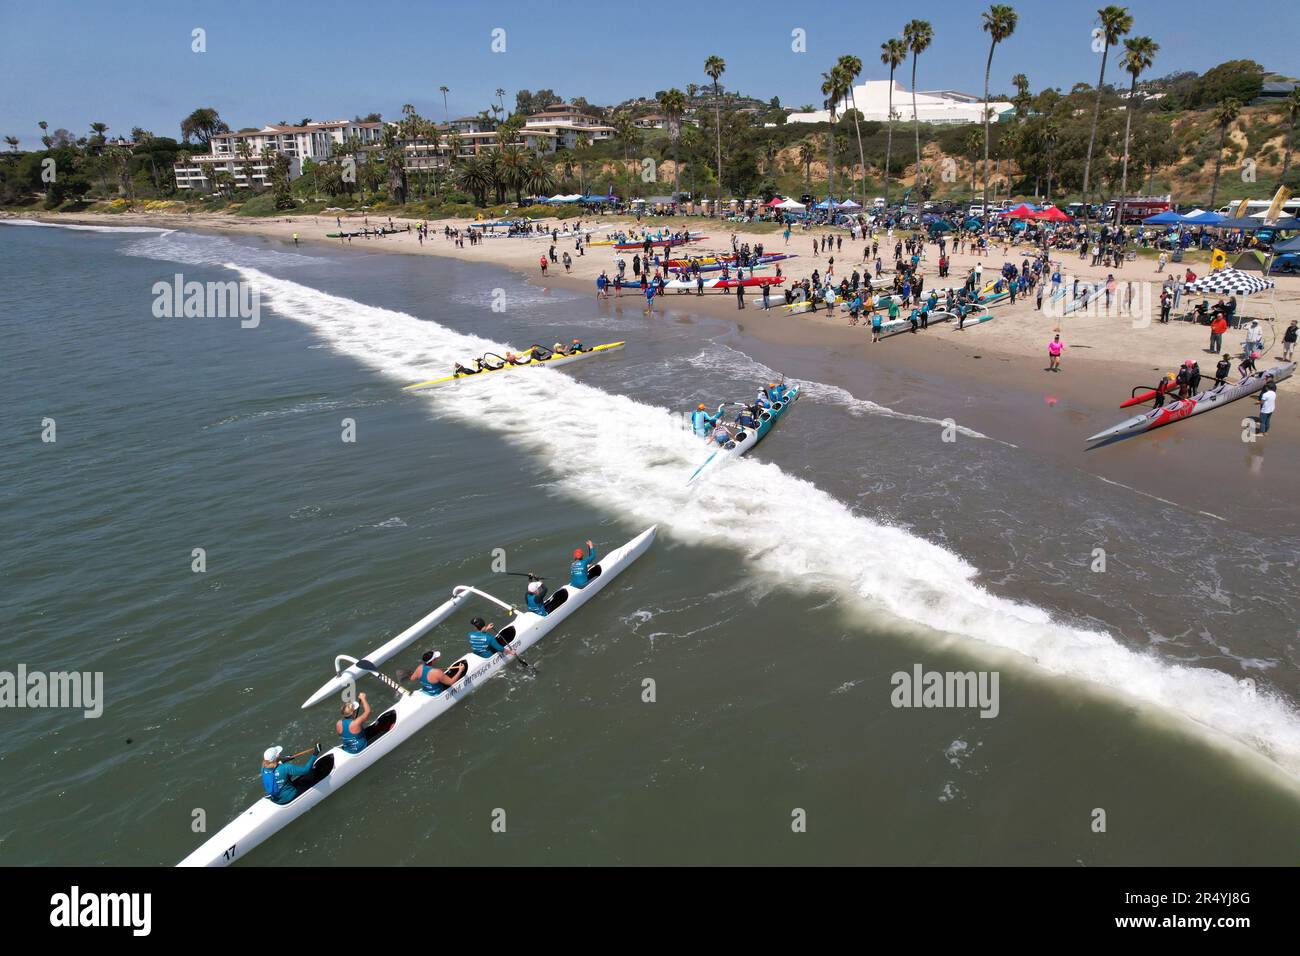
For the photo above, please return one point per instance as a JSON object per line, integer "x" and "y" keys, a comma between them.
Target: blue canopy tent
{"x": 1205, "y": 219}
{"x": 1169, "y": 218}
{"x": 1290, "y": 245}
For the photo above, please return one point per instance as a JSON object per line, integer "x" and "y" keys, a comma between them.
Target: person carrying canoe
{"x": 352, "y": 722}
{"x": 535, "y": 597}
{"x": 432, "y": 679}
{"x": 278, "y": 775}
{"x": 702, "y": 421}
{"x": 580, "y": 569}
{"x": 482, "y": 641}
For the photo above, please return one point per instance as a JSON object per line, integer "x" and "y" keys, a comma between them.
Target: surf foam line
{"x": 85, "y": 227}
{"x": 633, "y": 457}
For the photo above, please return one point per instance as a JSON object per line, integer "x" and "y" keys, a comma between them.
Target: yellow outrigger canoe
{"x": 553, "y": 360}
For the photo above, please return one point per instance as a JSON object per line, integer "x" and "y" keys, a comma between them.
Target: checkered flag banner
{"x": 1230, "y": 282}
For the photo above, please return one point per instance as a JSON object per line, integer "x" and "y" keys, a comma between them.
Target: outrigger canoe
{"x": 553, "y": 360}
{"x": 746, "y": 438}
{"x": 656, "y": 243}
{"x": 691, "y": 285}
{"x": 1206, "y": 401}
{"x": 413, "y": 710}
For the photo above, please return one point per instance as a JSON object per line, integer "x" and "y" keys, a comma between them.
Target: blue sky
{"x": 72, "y": 62}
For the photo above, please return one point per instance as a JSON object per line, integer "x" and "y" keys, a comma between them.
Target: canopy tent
{"x": 1229, "y": 282}
{"x": 1290, "y": 245}
{"x": 1169, "y": 218}
{"x": 774, "y": 201}
{"x": 791, "y": 204}
{"x": 1052, "y": 214}
{"x": 848, "y": 204}
{"x": 939, "y": 225}
{"x": 972, "y": 222}
{"x": 1286, "y": 225}
{"x": 1200, "y": 217}
{"x": 1252, "y": 260}
{"x": 605, "y": 199}
{"x": 1023, "y": 211}
{"x": 575, "y": 197}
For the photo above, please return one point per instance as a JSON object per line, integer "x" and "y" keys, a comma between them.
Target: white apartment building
{"x": 934, "y": 106}
{"x": 315, "y": 141}
{"x": 567, "y": 123}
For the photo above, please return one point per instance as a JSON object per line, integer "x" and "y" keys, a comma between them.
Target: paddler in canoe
{"x": 702, "y": 422}
{"x": 482, "y": 640}
{"x": 432, "y": 679}
{"x": 580, "y": 569}
{"x": 278, "y": 775}
{"x": 351, "y": 722}
{"x": 535, "y": 596}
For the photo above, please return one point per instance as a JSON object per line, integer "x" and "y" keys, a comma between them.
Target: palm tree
{"x": 12, "y": 142}
{"x": 501, "y": 98}
{"x": 892, "y": 53}
{"x": 807, "y": 153}
{"x": 714, "y": 67}
{"x": 1051, "y": 137}
{"x": 1139, "y": 53}
{"x": 513, "y": 166}
{"x": 972, "y": 144}
{"x": 999, "y": 23}
{"x": 539, "y": 178}
{"x": 1227, "y": 111}
{"x": 1022, "y": 98}
{"x": 673, "y": 104}
{"x": 1292, "y": 107}
{"x": 1115, "y": 22}
{"x": 851, "y": 67}
{"x": 833, "y": 84}
{"x": 917, "y": 34}
{"x": 445, "y": 115}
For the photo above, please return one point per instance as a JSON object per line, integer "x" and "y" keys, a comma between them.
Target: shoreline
{"x": 991, "y": 377}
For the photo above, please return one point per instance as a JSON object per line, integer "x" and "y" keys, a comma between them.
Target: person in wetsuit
{"x": 702, "y": 421}
{"x": 278, "y": 776}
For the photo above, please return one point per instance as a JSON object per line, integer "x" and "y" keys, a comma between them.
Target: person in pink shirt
{"x": 1054, "y": 348}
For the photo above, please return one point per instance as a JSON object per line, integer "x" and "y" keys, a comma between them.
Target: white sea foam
{"x": 194, "y": 249}
{"x": 82, "y": 227}
{"x": 616, "y": 454}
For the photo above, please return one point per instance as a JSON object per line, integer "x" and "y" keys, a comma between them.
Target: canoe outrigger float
{"x": 1206, "y": 401}
{"x": 551, "y": 360}
{"x": 413, "y": 710}
{"x": 746, "y": 438}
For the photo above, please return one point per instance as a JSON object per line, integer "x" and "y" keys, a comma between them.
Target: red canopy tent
{"x": 1052, "y": 214}
{"x": 775, "y": 201}
{"x": 1021, "y": 212}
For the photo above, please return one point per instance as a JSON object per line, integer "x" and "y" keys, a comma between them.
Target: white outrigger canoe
{"x": 746, "y": 438}
{"x": 414, "y": 710}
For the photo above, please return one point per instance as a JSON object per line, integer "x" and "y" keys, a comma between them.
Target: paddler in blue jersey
{"x": 481, "y": 639}
{"x": 278, "y": 776}
{"x": 702, "y": 421}
{"x": 761, "y": 400}
{"x": 745, "y": 419}
{"x": 580, "y": 569}
{"x": 536, "y": 595}
{"x": 354, "y": 719}
{"x": 432, "y": 679}
{"x": 721, "y": 435}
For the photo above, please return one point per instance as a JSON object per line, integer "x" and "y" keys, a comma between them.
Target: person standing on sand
{"x": 1054, "y": 348}
{"x": 1289, "y": 341}
{"x": 1218, "y": 326}
{"x": 1038, "y": 298}
{"x": 740, "y": 295}
{"x": 875, "y": 326}
{"x": 542, "y": 260}
{"x": 767, "y": 294}
{"x": 1267, "y": 404}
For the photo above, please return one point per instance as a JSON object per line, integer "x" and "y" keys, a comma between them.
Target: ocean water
{"x": 771, "y": 615}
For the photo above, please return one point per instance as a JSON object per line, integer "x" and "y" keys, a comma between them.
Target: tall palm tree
{"x": 851, "y": 67}
{"x": 1139, "y": 54}
{"x": 1292, "y": 107}
{"x": 1227, "y": 111}
{"x": 714, "y": 67}
{"x": 673, "y": 104}
{"x": 1051, "y": 138}
{"x": 1115, "y": 22}
{"x": 501, "y": 98}
{"x": 807, "y": 153}
{"x": 445, "y": 115}
{"x": 12, "y": 142}
{"x": 892, "y": 53}
{"x": 833, "y": 84}
{"x": 999, "y": 23}
{"x": 918, "y": 35}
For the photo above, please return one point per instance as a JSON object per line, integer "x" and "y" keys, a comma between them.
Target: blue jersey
{"x": 581, "y": 568}
{"x": 702, "y": 421}
{"x": 484, "y": 644}
{"x": 537, "y": 603}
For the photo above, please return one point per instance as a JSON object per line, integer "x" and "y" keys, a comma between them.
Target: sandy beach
{"x": 992, "y": 377}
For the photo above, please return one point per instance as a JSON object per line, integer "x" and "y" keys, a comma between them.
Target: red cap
{"x": 577, "y": 552}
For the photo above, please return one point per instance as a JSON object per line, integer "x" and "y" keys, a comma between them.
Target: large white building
{"x": 934, "y": 106}
{"x": 315, "y": 141}
{"x": 567, "y": 123}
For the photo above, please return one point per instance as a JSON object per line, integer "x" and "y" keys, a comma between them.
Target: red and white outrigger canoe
{"x": 1206, "y": 401}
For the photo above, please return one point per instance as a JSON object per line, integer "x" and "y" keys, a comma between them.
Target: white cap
{"x": 534, "y": 587}
{"x": 272, "y": 753}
